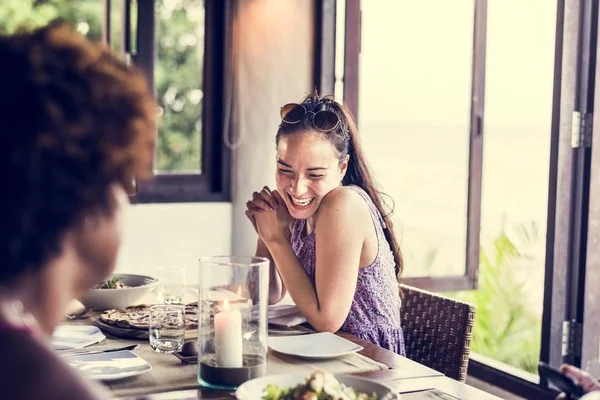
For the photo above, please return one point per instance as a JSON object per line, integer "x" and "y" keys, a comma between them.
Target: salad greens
{"x": 113, "y": 283}
{"x": 318, "y": 386}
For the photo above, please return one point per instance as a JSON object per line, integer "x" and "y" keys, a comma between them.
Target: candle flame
{"x": 226, "y": 305}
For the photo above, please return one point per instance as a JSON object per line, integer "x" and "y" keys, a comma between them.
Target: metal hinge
{"x": 571, "y": 338}
{"x": 475, "y": 279}
{"x": 581, "y": 129}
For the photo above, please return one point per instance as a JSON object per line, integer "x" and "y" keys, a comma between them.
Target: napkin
{"x": 74, "y": 307}
{"x": 68, "y": 337}
{"x": 288, "y": 319}
{"x": 282, "y": 314}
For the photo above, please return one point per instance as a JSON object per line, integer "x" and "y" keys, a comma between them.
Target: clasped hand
{"x": 269, "y": 215}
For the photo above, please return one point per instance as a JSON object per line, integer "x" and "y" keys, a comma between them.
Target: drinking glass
{"x": 167, "y": 328}
{"x": 171, "y": 285}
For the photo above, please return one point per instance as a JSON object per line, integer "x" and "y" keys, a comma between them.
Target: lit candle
{"x": 228, "y": 337}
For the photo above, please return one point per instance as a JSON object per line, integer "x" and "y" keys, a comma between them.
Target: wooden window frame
{"x": 213, "y": 184}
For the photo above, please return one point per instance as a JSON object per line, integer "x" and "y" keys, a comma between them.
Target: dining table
{"x": 169, "y": 378}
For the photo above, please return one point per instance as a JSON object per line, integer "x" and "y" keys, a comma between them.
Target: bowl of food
{"x": 118, "y": 291}
{"x": 319, "y": 385}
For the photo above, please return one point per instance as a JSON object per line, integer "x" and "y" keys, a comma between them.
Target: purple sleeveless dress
{"x": 375, "y": 311}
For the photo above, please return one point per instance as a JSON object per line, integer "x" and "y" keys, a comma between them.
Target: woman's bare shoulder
{"x": 343, "y": 196}
{"x": 346, "y": 204}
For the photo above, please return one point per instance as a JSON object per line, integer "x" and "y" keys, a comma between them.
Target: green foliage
{"x": 180, "y": 53}
{"x": 506, "y": 328}
{"x": 15, "y": 14}
{"x": 178, "y": 70}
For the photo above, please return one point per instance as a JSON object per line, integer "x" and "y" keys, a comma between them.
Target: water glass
{"x": 167, "y": 328}
{"x": 172, "y": 285}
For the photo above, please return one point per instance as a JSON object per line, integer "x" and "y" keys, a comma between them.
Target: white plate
{"x": 109, "y": 366}
{"x": 69, "y": 337}
{"x": 253, "y": 389}
{"x": 316, "y": 345}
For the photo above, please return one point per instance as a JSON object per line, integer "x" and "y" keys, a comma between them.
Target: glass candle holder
{"x": 232, "y": 320}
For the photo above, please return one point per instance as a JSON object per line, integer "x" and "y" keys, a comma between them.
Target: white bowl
{"x": 106, "y": 299}
{"x": 254, "y": 389}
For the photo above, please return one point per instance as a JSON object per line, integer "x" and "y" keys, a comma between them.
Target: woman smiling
{"x": 330, "y": 243}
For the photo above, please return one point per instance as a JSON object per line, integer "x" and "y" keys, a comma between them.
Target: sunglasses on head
{"x": 323, "y": 120}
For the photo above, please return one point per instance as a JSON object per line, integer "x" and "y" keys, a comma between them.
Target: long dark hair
{"x": 347, "y": 143}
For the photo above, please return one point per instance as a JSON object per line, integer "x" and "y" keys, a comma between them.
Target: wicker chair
{"x": 437, "y": 331}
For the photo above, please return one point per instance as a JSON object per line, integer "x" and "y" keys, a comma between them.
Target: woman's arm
{"x": 582, "y": 378}
{"x": 340, "y": 233}
{"x": 263, "y": 202}
{"x": 277, "y": 289}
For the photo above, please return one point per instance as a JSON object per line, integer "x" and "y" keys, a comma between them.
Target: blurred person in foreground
{"x": 76, "y": 125}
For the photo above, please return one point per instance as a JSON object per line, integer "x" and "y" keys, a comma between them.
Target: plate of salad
{"x": 319, "y": 385}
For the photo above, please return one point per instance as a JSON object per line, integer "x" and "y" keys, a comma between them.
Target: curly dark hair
{"x": 74, "y": 120}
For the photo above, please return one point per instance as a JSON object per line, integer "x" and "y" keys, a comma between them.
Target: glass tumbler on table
{"x": 167, "y": 328}
{"x": 171, "y": 288}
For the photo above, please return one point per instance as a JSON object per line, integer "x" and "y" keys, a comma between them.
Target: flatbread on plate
{"x": 138, "y": 317}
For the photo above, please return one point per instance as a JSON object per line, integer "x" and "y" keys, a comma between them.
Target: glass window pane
{"x": 415, "y": 89}
{"x": 116, "y": 24}
{"x": 85, "y": 15}
{"x": 178, "y": 76}
{"x": 517, "y": 127}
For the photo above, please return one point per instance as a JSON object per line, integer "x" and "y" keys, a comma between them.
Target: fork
{"x": 79, "y": 315}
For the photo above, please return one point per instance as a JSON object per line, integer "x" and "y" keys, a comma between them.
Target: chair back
{"x": 437, "y": 331}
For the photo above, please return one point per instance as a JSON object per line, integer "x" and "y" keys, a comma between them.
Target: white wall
{"x": 174, "y": 234}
